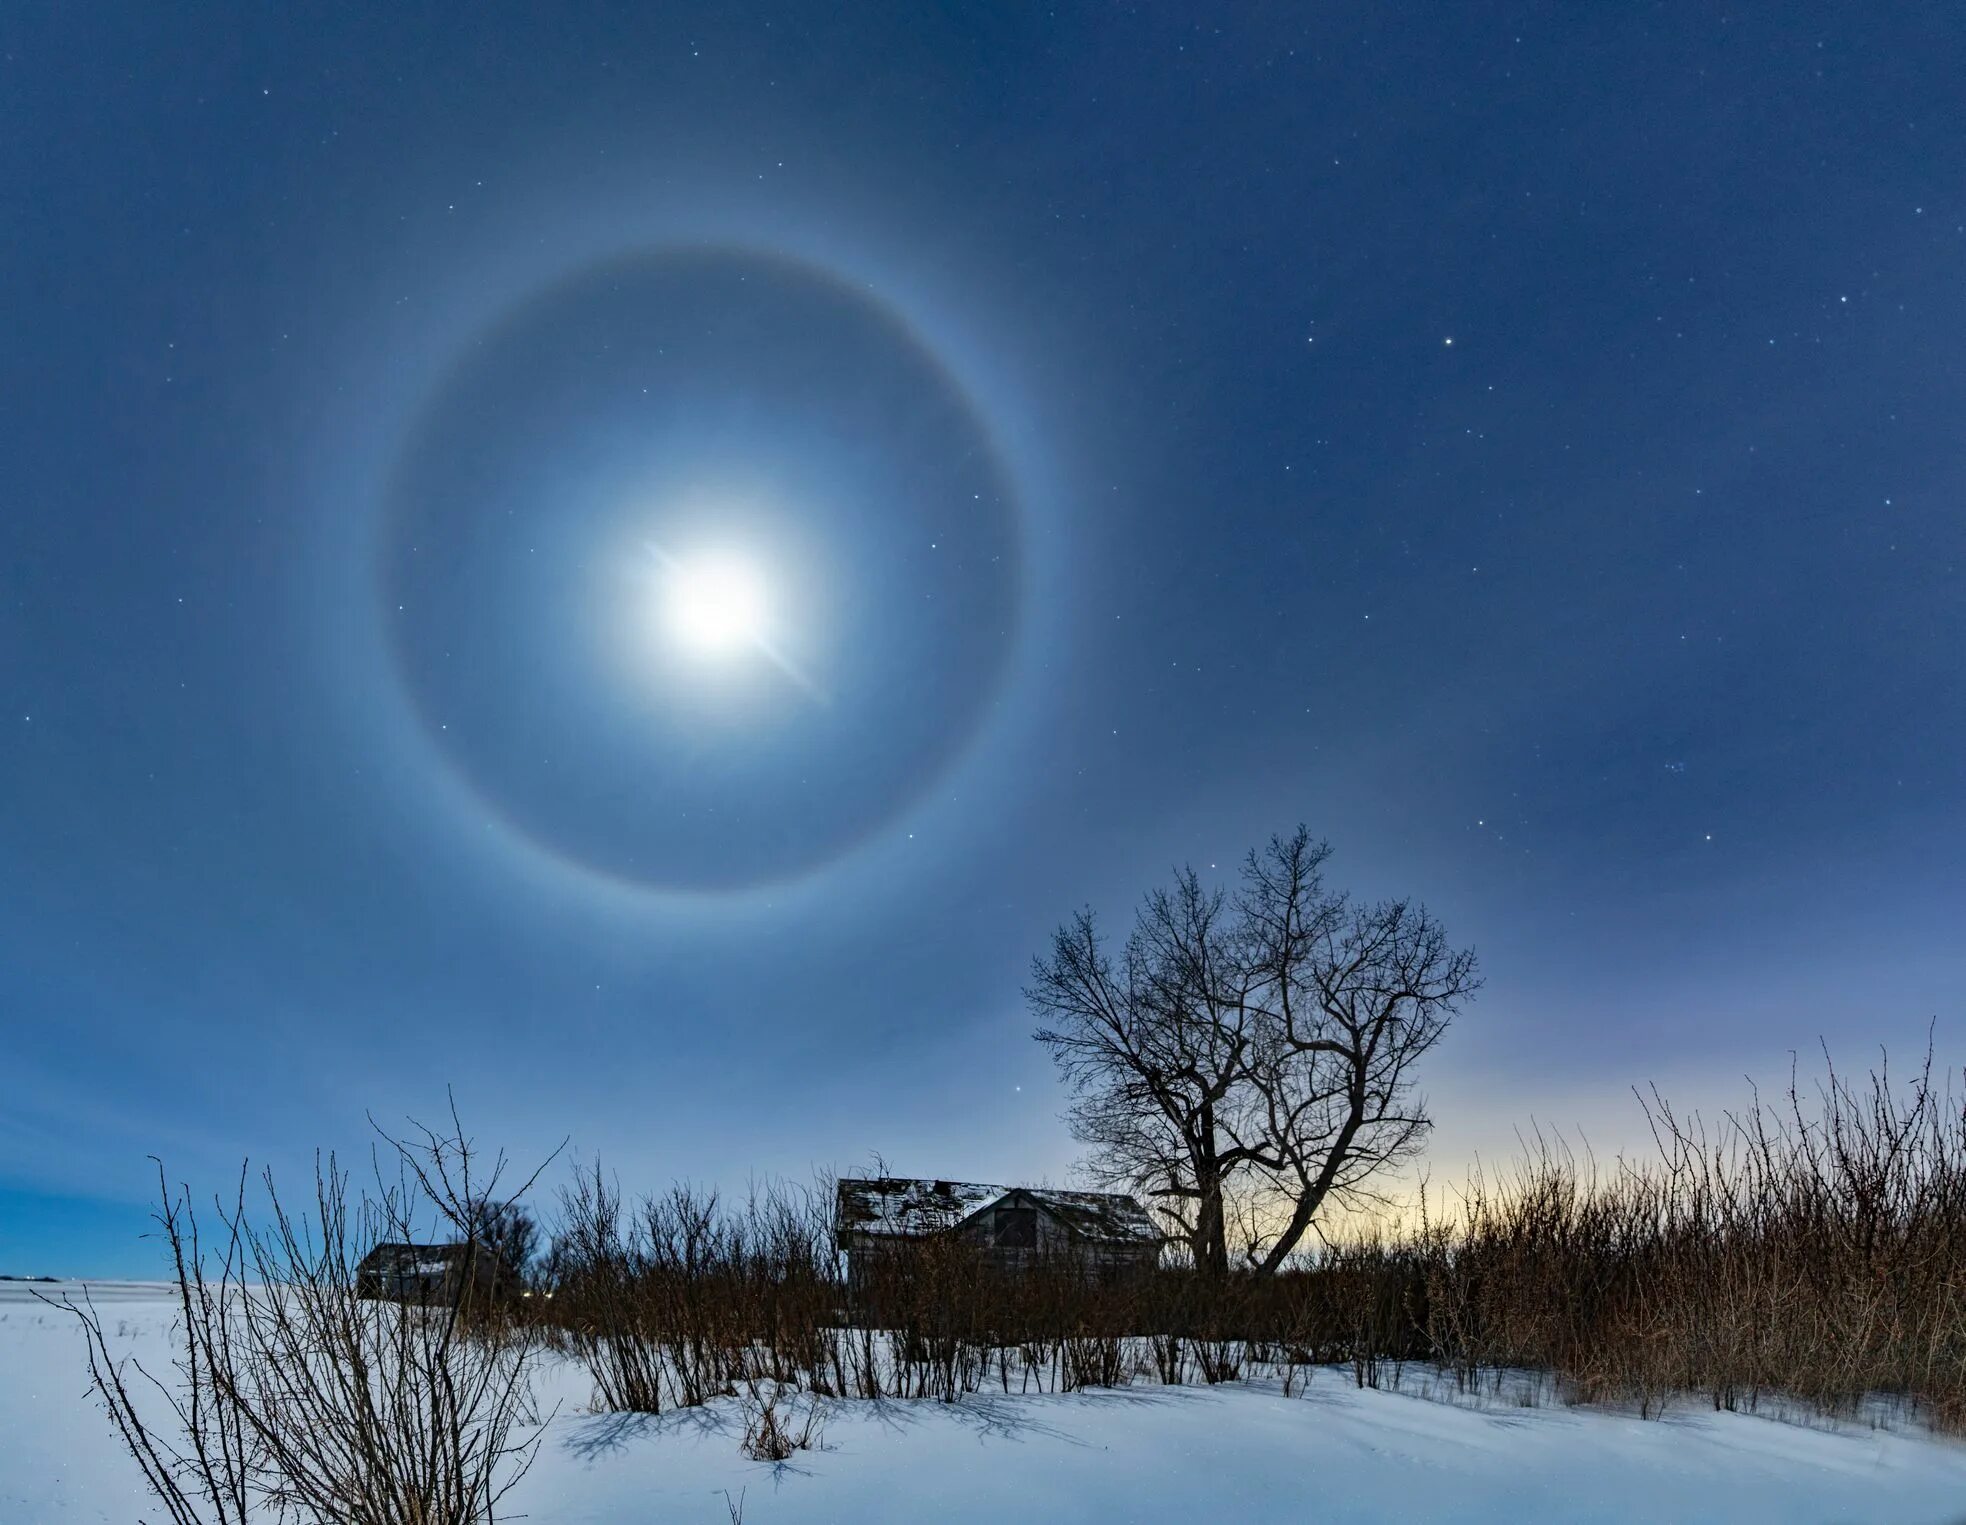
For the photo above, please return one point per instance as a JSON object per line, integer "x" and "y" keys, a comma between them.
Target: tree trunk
{"x": 1211, "y": 1226}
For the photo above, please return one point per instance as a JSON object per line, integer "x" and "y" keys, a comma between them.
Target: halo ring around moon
{"x": 776, "y": 394}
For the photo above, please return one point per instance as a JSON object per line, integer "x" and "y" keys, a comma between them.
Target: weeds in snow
{"x": 1811, "y": 1251}
{"x": 1802, "y": 1257}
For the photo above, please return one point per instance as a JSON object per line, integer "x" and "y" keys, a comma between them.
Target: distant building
{"x": 1012, "y": 1228}
{"x": 437, "y": 1275}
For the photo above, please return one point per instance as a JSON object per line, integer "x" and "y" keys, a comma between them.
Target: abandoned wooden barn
{"x": 435, "y": 1275}
{"x": 1012, "y": 1228}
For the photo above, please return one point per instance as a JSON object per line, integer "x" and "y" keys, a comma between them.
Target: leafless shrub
{"x": 295, "y": 1396}
{"x": 679, "y": 1299}
{"x": 772, "y": 1431}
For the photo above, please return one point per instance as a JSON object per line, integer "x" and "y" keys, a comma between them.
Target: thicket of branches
{"x": 1815, "y": 1249}
{"x": 1812, "y": 1250}
{"x": 293, "y": 1396}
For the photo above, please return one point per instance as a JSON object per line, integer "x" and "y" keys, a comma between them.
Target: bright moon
{"x": 714, "y": 605}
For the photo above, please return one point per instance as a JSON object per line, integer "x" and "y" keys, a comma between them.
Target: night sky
{"x": 1522, "y": 443}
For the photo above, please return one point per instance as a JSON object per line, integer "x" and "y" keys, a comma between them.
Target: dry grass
{"x": 1809, "y": 1252}
{"x": 1813, "y": 1250}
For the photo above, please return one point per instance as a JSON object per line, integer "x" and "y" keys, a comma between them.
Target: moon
{"x": 715, "y": 605}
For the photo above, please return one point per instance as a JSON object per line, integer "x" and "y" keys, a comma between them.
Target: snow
{"x": 1142, "y": 1454}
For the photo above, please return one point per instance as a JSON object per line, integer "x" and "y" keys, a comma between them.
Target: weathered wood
{"x": 1012, "y": 1228}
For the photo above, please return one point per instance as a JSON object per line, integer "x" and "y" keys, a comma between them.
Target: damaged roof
{"x": 893, "y": 1207}
{"x": 1101, "y": 1216}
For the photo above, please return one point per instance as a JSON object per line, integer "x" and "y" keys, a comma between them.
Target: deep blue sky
{"x": 1084, "y": 378}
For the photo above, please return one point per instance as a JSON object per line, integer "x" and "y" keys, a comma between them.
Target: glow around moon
{"x": 699, "y": 569}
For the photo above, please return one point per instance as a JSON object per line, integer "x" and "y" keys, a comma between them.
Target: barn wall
{"x": 1052, "y": 1245}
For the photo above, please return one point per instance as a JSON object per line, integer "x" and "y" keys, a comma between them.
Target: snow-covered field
{"x": 1145, "y": 1455}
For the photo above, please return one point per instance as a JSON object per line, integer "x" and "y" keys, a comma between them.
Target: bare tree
{"x": 1347, "y": 999}
{"x": 1250, "y": 1056}
{"x": 1157, "y": 1050}
{"x": 508, "y": 1230}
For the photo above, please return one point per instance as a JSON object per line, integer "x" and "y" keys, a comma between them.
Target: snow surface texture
{"x": 1144, "y": 1455}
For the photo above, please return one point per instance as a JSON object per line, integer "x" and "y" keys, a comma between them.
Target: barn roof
{"x": 391, "y": 1259}
{"x": 1100, "y": 1216}
{"x": 892, "y": 1207}
{"x": 391, "y": 1255}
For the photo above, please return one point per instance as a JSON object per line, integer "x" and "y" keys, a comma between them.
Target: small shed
{"x": 1012, "y": 1228}
{"x": 435, "y": 1275}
